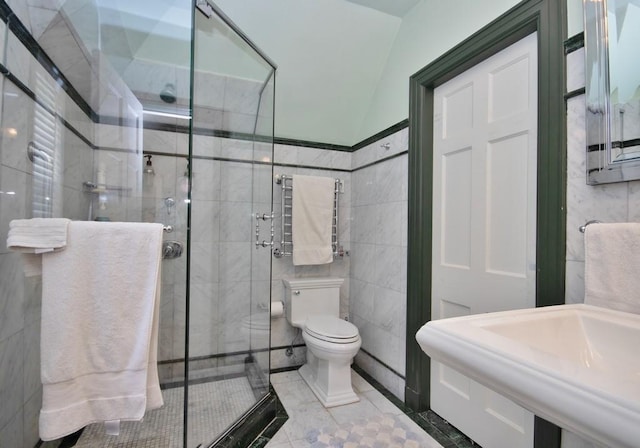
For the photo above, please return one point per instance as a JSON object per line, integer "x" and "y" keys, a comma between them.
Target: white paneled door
{"x": 484, "y": 218}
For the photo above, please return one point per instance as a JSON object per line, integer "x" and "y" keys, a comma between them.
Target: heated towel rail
{"x": 286, "y": 228}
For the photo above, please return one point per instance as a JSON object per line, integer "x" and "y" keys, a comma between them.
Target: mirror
{"x": 612, "y": 39}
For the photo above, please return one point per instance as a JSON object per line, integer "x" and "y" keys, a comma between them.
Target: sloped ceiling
{"x": 396, "y": 8}
{"x": 330, "y": 57}
{"x": 330, "y": 53}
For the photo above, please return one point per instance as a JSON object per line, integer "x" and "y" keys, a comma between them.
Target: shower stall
{"x": 144, "y": 111}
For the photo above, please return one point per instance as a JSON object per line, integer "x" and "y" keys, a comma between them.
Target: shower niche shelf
{"x": 95, "y": 188}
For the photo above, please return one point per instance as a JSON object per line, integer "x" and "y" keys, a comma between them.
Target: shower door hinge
{"x": 205, "y": 8}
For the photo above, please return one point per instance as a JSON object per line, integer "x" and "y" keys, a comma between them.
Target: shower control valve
{"x": 172, "y": 249}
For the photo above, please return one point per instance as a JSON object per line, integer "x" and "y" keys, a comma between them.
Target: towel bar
{"x": 584, "y": 227}
{"x": 286, "y": 240}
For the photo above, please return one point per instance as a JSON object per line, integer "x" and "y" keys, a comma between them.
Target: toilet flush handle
{"x": 297, "y": 293}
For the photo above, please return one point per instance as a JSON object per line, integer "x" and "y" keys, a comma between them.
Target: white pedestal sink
{"x": 577, "y": 366}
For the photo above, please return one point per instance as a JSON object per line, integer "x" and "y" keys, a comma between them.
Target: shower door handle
{"x": 263, "y": 217}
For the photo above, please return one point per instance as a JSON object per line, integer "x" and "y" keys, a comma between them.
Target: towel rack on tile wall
{"x": 286, "y": 242}
{"x": 584, "y": 227}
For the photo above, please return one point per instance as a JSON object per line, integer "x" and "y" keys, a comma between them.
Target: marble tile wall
{"x": 223, "y": 257}
{"x": 222, "y": 102}
{"x": 20, "y": 388}
{"x": 617, "y": 202}
{"x": 379, "y": 258}
{"x": 290, "y": 159}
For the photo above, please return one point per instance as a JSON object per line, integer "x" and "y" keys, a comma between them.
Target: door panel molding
{"x": 547, "y": 17}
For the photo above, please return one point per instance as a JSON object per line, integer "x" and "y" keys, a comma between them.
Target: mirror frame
{"x": 601, "y": 164}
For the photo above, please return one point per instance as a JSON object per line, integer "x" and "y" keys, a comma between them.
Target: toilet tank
{"x": 311, "y": 296}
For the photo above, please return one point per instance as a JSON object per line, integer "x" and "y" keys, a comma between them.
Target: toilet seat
{"x": 331, "y": 329}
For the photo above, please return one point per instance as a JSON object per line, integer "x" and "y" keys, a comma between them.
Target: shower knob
{"x": 171, "y": 249}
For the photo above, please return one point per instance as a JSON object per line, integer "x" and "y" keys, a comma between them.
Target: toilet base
{"x": 331, "y": 384}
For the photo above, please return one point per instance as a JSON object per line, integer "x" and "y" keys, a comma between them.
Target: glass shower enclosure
{"x": 230, "y": 263}
{"x": 149, "y": 111}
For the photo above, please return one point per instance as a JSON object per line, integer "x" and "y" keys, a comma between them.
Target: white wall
{"x": 575, "y": 22}
{"x": 427, "y": 31}
{"x": 350, "y": 63}
{"x": 330, "y": 55}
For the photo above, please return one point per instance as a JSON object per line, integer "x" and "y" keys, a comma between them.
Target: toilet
{"x": 313, "y": 305}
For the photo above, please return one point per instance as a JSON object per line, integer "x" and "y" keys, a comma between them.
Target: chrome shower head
{"x": 168, "y": 94}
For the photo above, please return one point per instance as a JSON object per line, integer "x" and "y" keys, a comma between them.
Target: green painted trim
{"x": 547, "y": 17}
{"x": 546, "y": 434}
{"x": 311, "y": 144}
{"x": 419, "y": 241}
{"x": 284, "y": 369}
{"x": 382, "y": 134}
{"x": 379, "y": 161}
{"x": 269, "y": 412}
{"x": 574, "y": 93}
{"x": 382, "y": 363}
{"x": 574, "y": 43}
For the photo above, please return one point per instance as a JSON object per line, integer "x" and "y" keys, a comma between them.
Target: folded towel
{"x": 612, "y": 264}
{"x": 312, "y": 219}
{"x": 100, "y": 308}
{"x": 37, "y": 235}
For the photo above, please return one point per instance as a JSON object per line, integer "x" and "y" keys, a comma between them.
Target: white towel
{"x": 612, "y": 266}
{"x": 312, "y": 219}
{"x": 35, "y": 236}
{"x": 100, "y": 308}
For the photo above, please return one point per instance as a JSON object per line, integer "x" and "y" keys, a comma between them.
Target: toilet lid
{"x": 330, "y": 328}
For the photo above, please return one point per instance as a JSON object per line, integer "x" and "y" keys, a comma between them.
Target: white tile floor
{"x": 306, "y": 413}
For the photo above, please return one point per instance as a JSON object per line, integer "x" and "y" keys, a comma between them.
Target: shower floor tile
{"x": 308, "y": 418}
{"x": 213, "y": 407}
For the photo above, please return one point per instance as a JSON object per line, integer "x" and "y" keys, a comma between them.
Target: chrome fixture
{"x": 168, "y": 94}
{"x": 263, "y": 217}
{"x": 172, "y": 249}
{"x": 167, "y": 229}
{"x": 169, "y": 202}
{"x": 33, "y": 153}
{"x": 584, "y": 227}
{"x": 148, "y": 168}
{"x": 204, "y": 8}
{"x": 286, "y": 242}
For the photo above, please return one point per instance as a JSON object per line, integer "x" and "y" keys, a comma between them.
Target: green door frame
{"x": 548, "y": 18}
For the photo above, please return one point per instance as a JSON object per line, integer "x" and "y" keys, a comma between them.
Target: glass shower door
{"x": 230, "y": 202}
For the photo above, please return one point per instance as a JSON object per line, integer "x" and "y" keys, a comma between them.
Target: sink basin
{"x": 577, "y": 366}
